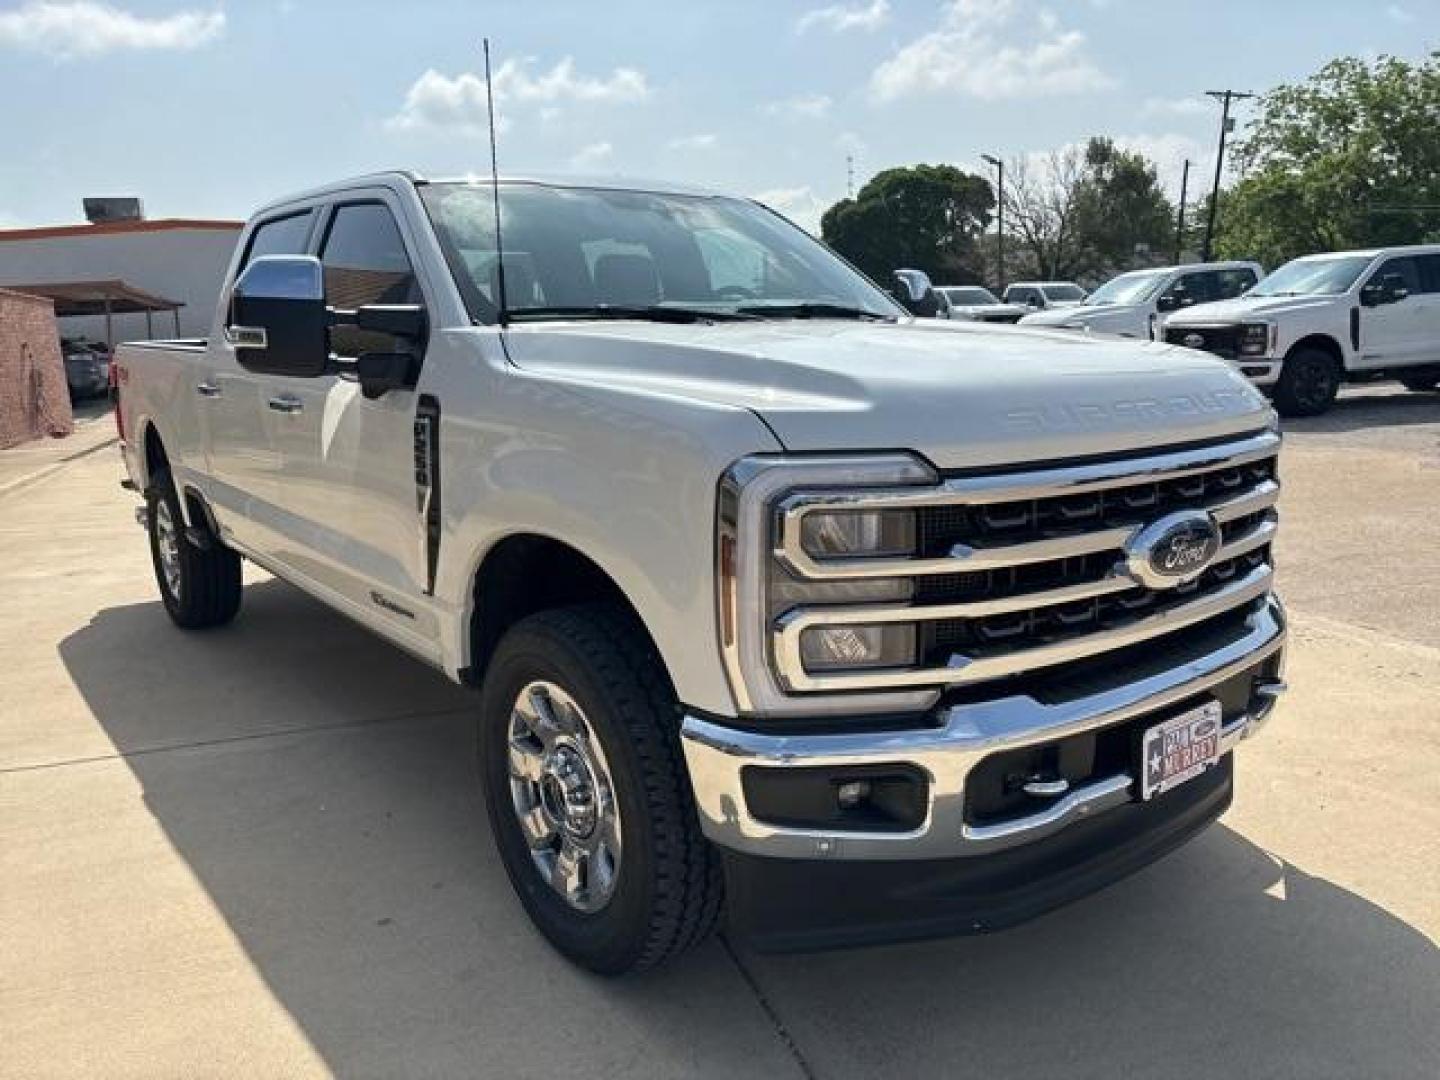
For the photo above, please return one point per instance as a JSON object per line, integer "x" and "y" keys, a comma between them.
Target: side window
{"x": 1197, "y": 288}
{"x": 1231, "y": 283}
{"x": 1429, "y": 272}
{"x": 279, "y": 236}
{"x": 365, "y": 263}
{"x": 1406, "y": 267}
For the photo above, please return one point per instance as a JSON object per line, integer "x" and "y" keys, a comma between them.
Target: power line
{"x": 1225, "y": 97}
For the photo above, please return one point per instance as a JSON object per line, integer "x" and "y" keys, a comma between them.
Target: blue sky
{"x": 208, "y": 109}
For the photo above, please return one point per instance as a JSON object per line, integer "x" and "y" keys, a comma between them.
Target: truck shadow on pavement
{"x": 321, "y": 787}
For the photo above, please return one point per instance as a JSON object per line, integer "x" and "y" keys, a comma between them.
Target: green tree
{"x": 1348, "y": 158}
{"x": 1123, "y": 218}
{"x": 1088, "y": 211}
{"x": 926, "y": 217}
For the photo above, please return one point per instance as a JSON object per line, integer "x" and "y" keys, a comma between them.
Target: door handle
{"x": 286, "y": 403}
{"x": 208, "y": 390}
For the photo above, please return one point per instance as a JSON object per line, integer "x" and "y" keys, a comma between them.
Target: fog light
{"x": 828, "y": 648}
{"x": 858, "y": 532}
{"x": 852, "y": 793}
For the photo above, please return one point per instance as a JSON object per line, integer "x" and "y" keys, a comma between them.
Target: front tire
{"x": 200, "y": 586}
{"x": 587, "y": 793}
{"x": 1308, "y": 383}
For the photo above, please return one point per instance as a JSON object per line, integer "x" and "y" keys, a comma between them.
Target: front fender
{"x": 627, "y": 477}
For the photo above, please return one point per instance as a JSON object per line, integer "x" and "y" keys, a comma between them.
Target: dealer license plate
{"x": 1180, "y": 749}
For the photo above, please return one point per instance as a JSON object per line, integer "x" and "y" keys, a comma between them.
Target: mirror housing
{"x": 406, "y": 321}
{"x": 916, "y": 294}
{"x": 279, "y": 324}
{"x": 380, "y": 372}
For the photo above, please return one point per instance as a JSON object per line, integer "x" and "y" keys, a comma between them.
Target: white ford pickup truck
{"x": 779, "y": 603}
{"x": 1321, "y": 320}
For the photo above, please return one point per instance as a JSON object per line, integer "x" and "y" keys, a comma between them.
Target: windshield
{"x": 1063, "y": 292}
{"x": 594, "y": 252}
{"x": 1313, "y": 277}
{"x": 969, "y": 295}
{"x": 1133, "y": 288}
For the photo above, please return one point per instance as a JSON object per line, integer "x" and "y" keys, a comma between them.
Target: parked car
{"x": 778, "y": 601}
{"x": 1321, "y": 320}
{"x": 1137, "y": 304}
{"x": 1043, "y": 295}
{"x": 975, "y": 303}
{"x": 87, "y": 368}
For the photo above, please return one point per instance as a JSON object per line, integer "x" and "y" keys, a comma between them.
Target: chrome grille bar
{"x": 961, "y": 669}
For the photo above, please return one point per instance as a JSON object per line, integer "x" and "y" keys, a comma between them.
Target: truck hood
{"x": 1092, "y": 314}
{"x": 963, "y": 394}
{"x": 1246, "y": 307}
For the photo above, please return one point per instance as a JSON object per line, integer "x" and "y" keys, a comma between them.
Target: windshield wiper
{"x": 811, "y": 310}
{"x": 649, "y": 313}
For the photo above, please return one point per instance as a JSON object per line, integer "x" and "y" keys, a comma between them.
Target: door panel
{"x": 347, "y": 491}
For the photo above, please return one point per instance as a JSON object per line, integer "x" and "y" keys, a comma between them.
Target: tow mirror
{"x": 278, "y": 321}
{"x": 380, "y": 372}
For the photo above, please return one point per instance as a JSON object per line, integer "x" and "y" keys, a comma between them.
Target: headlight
{"x": 858, "y": 533}
{"x": 791, "y": 554}
{"x": 1255, "y": 338}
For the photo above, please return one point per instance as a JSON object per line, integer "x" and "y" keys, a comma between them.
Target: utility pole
{"x": 999, "y": 219}
{"x": 1180, "y": 220}
{"x": 1225, "y": 97}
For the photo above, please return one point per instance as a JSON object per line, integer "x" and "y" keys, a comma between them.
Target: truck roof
{"x": 409, "y": 176}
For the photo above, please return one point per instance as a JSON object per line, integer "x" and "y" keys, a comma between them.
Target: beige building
{"x": 34, "y": 400}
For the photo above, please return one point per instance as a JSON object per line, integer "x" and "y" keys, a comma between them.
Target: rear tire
{"x": 1308, "y": 383}
{"x": 200, "y": 586}
{"x": 659, "y": 891}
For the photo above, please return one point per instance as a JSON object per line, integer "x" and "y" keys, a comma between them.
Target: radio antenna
{"x": 501, "y": 316}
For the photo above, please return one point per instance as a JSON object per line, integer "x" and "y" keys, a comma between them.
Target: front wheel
{"x": 1308, "y": 383}
{"x": 587, "y": 793}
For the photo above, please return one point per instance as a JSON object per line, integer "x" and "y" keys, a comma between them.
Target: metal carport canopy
{"x": 103, "y": 298}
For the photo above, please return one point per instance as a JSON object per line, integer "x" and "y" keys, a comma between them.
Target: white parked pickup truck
{"x": 1320, "y": 320}
{"x": 779, "y": 602}
{"x": 1138, "y": 303}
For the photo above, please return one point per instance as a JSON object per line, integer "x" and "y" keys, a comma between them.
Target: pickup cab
{"x": 1137, "y": 304}
{"x": 778, "y": 603}
{"x": 1323, "y": 320}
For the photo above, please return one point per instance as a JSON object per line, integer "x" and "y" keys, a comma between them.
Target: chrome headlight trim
{"x": 748, "y": 539}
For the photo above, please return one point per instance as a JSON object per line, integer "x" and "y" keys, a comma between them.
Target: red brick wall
{"x": 34, "y": 400}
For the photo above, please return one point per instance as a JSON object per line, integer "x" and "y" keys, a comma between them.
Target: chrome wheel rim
{"x": 564, "y": 796}
{"x": 167, "y": 543}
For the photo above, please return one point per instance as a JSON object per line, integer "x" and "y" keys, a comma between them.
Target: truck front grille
{"x": 1019, "y": 571}
{"x": 1222, "y": 341}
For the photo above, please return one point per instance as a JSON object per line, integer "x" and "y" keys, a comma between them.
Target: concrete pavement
{"x": 261, "y": 851}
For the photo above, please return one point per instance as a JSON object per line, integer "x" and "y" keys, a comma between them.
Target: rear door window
{"x": 1231, "y": 283}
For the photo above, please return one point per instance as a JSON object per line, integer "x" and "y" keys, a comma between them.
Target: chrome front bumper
{"x": 946, "y": 753}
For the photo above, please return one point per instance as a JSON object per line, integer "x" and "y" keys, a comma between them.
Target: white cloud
{"x": 440, "y": 102}
{"x": 1168, "y": 150}
{"x": 1399, "y": 14}
{"x": 805, "y": 106}
{"x": 693, "y": 142}
{"x": 991, "y": 50}
{"x": 66, "y": 29}
{"x": 594, "y": 156}
{"x": 841, "y": 17}
{"x": 1183, "y": 106}
{"x": 800, "y": 204}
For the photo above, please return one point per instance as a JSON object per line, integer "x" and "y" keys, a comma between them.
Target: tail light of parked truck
{"x": 115, "y": 375}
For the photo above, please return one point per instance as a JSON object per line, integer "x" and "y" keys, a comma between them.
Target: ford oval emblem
{"x": 1173, "y": 550}
{"x": 1193, "y": 341}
